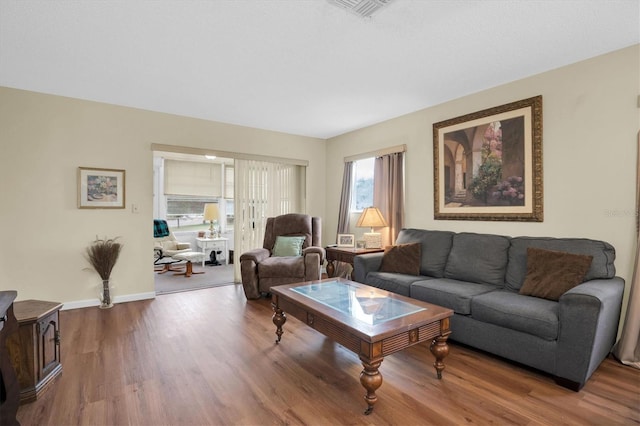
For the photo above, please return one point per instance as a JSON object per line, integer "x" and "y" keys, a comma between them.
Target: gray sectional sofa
{"x": 479, "y": 277}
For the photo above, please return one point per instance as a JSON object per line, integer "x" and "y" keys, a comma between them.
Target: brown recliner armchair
{"x": 261, "y": 270}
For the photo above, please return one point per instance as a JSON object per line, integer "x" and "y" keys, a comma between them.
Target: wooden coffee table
{"x": 370, "y": 322}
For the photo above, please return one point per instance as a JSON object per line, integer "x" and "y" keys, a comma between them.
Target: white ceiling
{"x": 296, "y": 66}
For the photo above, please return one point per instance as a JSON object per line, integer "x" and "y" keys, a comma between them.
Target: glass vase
{"x": 106, "y": 301}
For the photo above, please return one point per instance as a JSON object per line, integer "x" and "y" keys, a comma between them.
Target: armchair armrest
{"x": 315, "y": 249}
{"x": 249, "y": 270}
{"x": 255, "y": 255}
{"x": 313, "y": 260}
{"x": 365, "y": 263}
{"x": 182, "y": 246}
{"x": 589, "y": 314}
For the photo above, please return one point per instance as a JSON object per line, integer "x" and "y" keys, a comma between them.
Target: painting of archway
{"x": 488, "y": 164}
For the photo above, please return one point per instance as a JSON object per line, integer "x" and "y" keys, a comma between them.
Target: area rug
{"x": 214, "y": 276}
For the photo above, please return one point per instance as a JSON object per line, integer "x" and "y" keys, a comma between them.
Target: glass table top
{"x": 369, "y": 305}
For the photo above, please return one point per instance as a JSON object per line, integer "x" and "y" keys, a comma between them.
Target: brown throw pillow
{"x": 402, "y": 259}
{"x": 552, "y": 273}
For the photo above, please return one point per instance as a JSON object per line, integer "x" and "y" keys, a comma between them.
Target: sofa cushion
{"x": 452, "y": 294}
{"x": 288, "y": 246}
{"x": 602, "y": 266}
{"x": 551, "y": 273}
{"x": 395, "y": 283}
{"x": 531, "y": 315}
{"x": 402, "y": 259}
{"x": 435, "y": 247}
{"x": 281, "y": 267}
{"x": 479, "y": 258}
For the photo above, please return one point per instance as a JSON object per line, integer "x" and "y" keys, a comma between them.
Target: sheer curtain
{"x": 263, "y": 189}
{"x": 627, "y": 350}
{"x": 388, "y": 193}
{"x": 345, "y": 198}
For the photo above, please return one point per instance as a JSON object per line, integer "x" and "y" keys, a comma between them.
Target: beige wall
{"x": 590, "y": 125}
{"x": 45, "y": 138}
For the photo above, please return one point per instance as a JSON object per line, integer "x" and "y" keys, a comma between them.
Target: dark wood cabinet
{"x": 9, "y": 389}
{"x": 35, "y": 348}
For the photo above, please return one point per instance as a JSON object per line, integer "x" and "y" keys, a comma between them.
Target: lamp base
{"x": 372, "y": 240}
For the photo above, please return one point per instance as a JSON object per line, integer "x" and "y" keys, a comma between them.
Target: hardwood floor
{"x": 208, "y": 357}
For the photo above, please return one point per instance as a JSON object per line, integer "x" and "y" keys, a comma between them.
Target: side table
{"x": 218, "y": 244}
{"x": 35, "y": 347}
{"x": 344, "y": 254}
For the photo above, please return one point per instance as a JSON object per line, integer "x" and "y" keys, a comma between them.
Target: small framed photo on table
{"x": 100, "y": 188}
{"x": 346, "y": 240}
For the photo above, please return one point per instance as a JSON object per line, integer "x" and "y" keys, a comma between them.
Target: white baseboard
{"x": 118, "y": 299}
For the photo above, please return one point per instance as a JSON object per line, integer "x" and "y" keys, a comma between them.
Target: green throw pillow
{"x": 288, "y": 246}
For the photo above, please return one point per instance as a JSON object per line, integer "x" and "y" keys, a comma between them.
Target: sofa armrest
{"x": 589, "y": 315}
{"x": 365, "y": 263}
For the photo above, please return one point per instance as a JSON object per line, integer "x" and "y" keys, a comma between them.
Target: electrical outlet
{"x": 134, "y": 208}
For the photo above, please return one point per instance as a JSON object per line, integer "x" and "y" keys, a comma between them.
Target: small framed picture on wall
{"x": 346, "y": 240}
{"x": 100, "y": 188}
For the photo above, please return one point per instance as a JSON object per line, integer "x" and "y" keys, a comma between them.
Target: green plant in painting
{"x": 489, "y": 174}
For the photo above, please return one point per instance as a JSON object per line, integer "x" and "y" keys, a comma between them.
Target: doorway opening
{"x": 193, "y": 194}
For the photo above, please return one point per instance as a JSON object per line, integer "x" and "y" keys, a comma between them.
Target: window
{"x": 182, "y": 187}
{"x": 362, "y": 185}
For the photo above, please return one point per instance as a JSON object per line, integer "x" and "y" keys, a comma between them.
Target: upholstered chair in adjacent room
{"x": 291, "y": 252}
{"x": 165, "y": 243}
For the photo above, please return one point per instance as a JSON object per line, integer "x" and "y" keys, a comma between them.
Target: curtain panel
{"x": 388, "y": 193}
{"x": 345, "y": 198}
{"x": 627, "y": 350}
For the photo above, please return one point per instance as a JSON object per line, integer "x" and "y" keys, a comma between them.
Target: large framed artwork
{"x": 488, "y": 164}
{"x": 101, "y": 188}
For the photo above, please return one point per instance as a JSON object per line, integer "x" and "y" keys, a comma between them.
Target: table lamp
{"x": 371, "y": 217}
{"x": 211, "y": 214}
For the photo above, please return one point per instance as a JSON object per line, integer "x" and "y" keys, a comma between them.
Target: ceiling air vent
{"x": 362, "y": 8}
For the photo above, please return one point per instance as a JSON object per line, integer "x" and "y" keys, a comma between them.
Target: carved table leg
{"x": 440, "y": 350}
{"x": 279, "y": 318}
{"x": 331, "y": 268}
{"x": 371, "y": 379}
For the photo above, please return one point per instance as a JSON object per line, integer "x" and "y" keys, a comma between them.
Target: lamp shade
{"x": 211, "y": 211}
{"x": 371, "y": 217}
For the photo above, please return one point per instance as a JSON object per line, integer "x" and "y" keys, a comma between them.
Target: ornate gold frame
{"x": 459, "y": 139}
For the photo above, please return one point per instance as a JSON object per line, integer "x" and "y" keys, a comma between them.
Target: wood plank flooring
{"x": 208, "y": 357}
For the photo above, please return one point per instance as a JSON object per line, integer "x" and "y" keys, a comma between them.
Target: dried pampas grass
{"x": 103, "y": 255}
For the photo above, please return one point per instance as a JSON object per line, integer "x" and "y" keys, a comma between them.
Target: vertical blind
{"x": 264, "y": 189}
